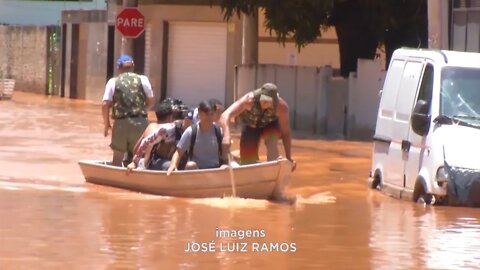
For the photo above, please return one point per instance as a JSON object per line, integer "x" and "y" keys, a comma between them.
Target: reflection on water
{"x": 319, "y": 198}
{"x": 232, "y": 203}
{"x": 51, "y": 219}
{"x": 412, "y": 235}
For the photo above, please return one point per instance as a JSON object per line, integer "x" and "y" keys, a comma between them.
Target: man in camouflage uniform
{"x": 264, "y": 114}
{"x": 129, "y": 95}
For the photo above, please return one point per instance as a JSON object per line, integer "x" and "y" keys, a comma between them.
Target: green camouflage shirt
{"x": 129, "y": 99}
{"x": 257, "y": 117}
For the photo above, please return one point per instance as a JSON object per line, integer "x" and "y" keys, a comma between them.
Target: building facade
{"x": 19, "y": 12}
{"x": 187, "y": 50}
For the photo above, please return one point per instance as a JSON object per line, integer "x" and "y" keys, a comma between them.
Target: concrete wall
{"x": 303, "y": 88}
{"x": 92, "y": 53}
{"x": 363, "y": 99}
{"x": 438, "y": 19}
{"x": 96, "y": 60}
{"x": 68, "y": 53}
{"x": 319, "y": 103}
{"x": 337, "y": 103}
{"x": 23, "y": 56}
{"x": 41, "y": 12}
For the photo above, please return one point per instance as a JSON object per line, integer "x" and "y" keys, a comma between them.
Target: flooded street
{"x": 51, "y": 219}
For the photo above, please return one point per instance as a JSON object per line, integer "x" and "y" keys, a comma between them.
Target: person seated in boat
{"x": 157, "y": 145}
{"x": 164, "y": 114}
{"x": 202, "y": 142}
{"x": 217, "y": 108}
{"x": 167, "y": 113}
{"x": 264, "y": 114}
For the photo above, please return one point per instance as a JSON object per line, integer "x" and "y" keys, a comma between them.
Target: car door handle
{"x": 406, "y": 146}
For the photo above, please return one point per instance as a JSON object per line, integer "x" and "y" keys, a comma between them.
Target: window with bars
{"x": 466, "y": 3}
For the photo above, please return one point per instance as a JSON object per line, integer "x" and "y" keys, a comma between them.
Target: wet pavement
{"x": 51, "y": 219}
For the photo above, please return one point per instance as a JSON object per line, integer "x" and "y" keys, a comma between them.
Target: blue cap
{"x": 124, "y": 61}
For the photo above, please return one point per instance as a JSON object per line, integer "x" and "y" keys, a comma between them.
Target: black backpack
{"x": 189, "y": 154}
{"x": 178, "y": 128}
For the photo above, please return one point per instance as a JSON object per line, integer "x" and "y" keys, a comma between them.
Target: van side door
{"x": 405, "y": 99}
{"x": 382, "y": 140}
{"x": 418, "y": 142}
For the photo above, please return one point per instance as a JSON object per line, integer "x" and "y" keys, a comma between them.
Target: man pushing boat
{"x": 264, "y": 114}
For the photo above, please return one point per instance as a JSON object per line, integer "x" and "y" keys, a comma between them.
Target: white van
{"x": 426, "y": 145}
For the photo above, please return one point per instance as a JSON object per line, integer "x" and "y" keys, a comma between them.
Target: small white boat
{"x": 266, "y": 180}
{"x": 6, "y": 88}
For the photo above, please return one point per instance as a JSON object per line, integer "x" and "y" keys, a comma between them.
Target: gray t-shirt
{"x": 205, "y": 150}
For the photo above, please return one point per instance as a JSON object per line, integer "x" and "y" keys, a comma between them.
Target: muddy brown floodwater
{"x": 51, "y": 219}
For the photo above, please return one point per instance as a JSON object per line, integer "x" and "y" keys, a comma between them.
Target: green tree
{"x": 361, "y": 25}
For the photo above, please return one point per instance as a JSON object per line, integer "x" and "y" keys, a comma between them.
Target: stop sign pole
{"x": 130, "y": 22}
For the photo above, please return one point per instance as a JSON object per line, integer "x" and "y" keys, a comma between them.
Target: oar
{"x": 232, "y": 178}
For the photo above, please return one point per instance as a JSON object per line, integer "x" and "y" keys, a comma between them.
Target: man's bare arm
{"x": 106, "y": 116}
{"x": 150, "y": 129}
{"x": 233, "y": 111}
{"x": 150, "y": 102}
{"x": 175, "y": 159}
{"x": 284, "y": 124}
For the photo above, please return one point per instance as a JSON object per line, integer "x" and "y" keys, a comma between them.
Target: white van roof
{"x": 449, "y": 58}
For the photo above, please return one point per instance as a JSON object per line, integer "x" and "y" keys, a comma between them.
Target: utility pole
{"x": 127, "y": 43}
{"x": 438, "y": 14}
{"x": 250, "y": 39}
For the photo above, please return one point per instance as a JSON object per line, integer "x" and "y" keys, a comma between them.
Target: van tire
{"x": 429, "y": 199}
{"x": 375, "y": 184}
{"x": 422, "y": 197}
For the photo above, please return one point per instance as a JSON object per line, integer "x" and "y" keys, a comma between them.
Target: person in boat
{"x": 155, "y": 148}
{"x": 129, "y": 95}
{"x": 167, "y": 113}
{"x": 202, "y": 142}
{"x": 217, "y": 108}
{"x": 264, "y": 114}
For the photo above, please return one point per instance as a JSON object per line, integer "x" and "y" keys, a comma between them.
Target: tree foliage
{"x": 296, "y": 19}
{"x": 361, "y": 25}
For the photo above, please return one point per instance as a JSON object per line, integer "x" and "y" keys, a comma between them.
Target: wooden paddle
{"x": 232, "y": 178}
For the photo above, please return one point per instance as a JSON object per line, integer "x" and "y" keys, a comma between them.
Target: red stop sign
{"x": 130, "y": 22}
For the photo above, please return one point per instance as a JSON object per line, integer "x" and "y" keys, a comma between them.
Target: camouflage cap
{"x": 268, "y": 92}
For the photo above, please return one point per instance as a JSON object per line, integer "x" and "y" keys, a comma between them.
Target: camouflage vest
{"x": 129, "y": 99}
{"x": 257, "y": 117}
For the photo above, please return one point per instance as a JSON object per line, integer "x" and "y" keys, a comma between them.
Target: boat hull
{"x": 266, "y": 180}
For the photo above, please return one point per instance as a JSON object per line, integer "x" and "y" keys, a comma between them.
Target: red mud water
{"x": 51, "y": 219}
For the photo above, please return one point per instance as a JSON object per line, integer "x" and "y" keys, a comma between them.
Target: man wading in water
{"x": 129, "y": 95}
{"x": 264, "y": 114}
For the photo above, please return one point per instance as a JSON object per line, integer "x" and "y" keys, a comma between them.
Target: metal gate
{"x": 53, "y": 60}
